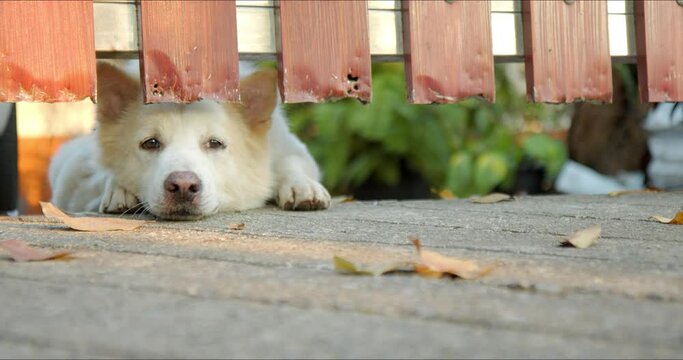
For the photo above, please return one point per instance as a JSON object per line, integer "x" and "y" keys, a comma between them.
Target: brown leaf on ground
{"x": 342, "y": 199}
{"x": 445, "y": 194}
{"x": 433, "y": 264}
{"x": 21, "y": 251}
{"x": 637, "y": 191}
{"x": 428, "y": 264}
{"x": 583, "y": 238}
{"x": 676, "y": 220}
{"x": 492, "y": 198}
{"x": 347, "y": 267}
{"x": 90, "y": 223}
{"x": 236, "y": 226}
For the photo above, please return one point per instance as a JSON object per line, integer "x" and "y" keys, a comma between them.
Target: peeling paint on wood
{"x": 659, "y": 43}
{"x": 448, "y": 51}
{"x": 566, "y": 48}
{"x": 324, "y": 51}
{"x": 44, "y": 57}
{"x": 189, "y": 51}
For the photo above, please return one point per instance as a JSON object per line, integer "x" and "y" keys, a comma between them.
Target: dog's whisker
{"x": 134, "y": 207}
{"x": 143, "y": 208}
{"x": 129, "y": 209}
{"x": 136, "y": 210}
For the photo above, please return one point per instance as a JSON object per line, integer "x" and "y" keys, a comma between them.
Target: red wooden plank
{"x": 324, "y": 50}
{"x": 47, "y": 51}
{"x": 189, "y": 51}
{"x": 448, "y": 50}
{"x": 659, "y": 43}
{"x": 566, "y": 47}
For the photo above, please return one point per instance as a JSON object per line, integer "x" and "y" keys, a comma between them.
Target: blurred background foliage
{"x": 473, "y": 147}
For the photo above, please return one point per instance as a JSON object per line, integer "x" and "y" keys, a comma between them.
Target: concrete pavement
{"x": 199, "y": 289}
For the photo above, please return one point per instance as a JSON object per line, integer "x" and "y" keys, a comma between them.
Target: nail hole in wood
{"x": 352, "y": 78}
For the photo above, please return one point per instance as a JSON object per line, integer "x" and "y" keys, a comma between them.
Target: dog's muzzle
{"x": 182, "y": 195}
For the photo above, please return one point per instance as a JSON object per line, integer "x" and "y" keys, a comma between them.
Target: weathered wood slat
{"x": 47, "y": 51}
{"x": 659, "y": 42}
{"x": 189, "y": 51}
{"x": 116, "y": 29}
{"x": 324, "y": 50}
{"x": 566, "y": 48}
{"x": 448, "y": 50}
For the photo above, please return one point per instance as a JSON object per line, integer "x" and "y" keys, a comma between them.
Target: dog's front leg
{"x": 116, "y": 199}
{"x": 297, "y": 185}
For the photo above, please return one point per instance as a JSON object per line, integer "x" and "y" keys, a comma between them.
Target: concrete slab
{"x": 199, "y": 289}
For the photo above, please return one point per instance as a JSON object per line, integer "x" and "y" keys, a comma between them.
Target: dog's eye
{"x": 215, "y": 144}
{"x": 150, "y": 144}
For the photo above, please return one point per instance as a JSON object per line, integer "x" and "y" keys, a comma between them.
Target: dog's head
{"x": 184, "y": 161}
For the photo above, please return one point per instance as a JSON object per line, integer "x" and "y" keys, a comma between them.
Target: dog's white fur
{"x": 109, "y": 171}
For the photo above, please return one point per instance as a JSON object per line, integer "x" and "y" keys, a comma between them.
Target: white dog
{"x": 185, "y": 161}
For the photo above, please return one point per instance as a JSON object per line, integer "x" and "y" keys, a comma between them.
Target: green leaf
{"x": 362, "y": 167}
{"x": 336, "y": 160}
{"x": 490, "y": 169}
{"x": 547, "y": 151}
{"x": 484, "y": 119}
{"x": 329, "y": 118}
{"x": 453, "y": 120}
{"x": 430, "y": 151}
{"x": 398, "y": 140}
{"x": 460, "y": 174}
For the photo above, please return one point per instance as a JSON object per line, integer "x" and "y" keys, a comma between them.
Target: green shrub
{"x": 467, "y": 148}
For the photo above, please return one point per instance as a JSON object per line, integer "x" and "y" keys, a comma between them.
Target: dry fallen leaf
{"x": 584, "y": 238}
{"x": 21, "y": 251}
{"x": 347, "y": 267}
{"x": 433, "y": 264}
{"x": 676, "y": 220}
{"x": 236, "y": 226}
{"x": 637, "y": 191}
{"x": 491, "y": 198}
{"x": 90, "y": 223}
{"x": 341, "y": 200}
{"x": 445, "y": 194}
{"x": 428, "y": 264}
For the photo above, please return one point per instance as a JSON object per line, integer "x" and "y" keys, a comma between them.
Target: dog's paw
{"x": 302, "y": 194}
{"x": 116, "y": 199}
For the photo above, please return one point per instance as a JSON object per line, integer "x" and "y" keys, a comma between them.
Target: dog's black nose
{"x": 183, "y": 185}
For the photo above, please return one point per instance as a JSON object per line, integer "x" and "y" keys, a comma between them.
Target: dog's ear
{"x": 115, "y": 91}
{"x": 258, "y": 92}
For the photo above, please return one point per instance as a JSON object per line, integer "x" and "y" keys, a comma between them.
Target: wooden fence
{"x": 189, "y": 49}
